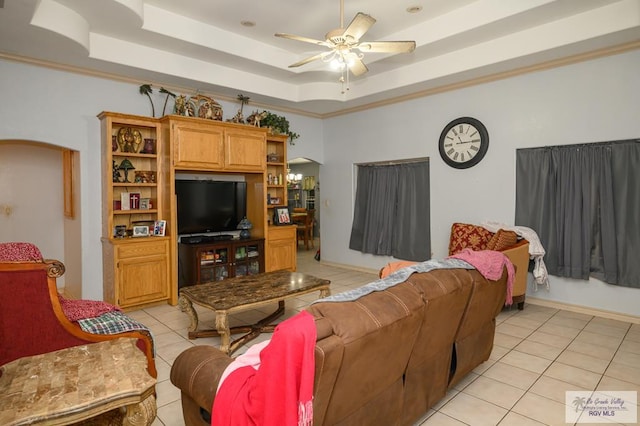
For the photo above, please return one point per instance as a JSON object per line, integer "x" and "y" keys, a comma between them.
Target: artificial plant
{"x": 278, "y": 124}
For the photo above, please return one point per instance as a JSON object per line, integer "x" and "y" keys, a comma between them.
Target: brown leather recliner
{"x": 385, "y": 358}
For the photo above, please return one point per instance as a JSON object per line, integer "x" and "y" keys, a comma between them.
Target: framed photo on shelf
{"x": 140, "y": 231}
{"x": 282, "y": 216}
{"x": 159, "y": 227}
{"x": 144, "y": 203}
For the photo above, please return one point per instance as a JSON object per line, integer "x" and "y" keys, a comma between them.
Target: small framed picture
{"x": 282, "y": 216}
{"x": 159, "y": 227}
{"x": 140, "y": 231}
{"x": 145, "y": 203}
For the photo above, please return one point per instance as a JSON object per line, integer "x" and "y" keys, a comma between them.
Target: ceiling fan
{"x": 347, "y": 50}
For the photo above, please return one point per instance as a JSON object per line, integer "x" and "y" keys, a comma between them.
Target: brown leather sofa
{"x": 385, "y": 358}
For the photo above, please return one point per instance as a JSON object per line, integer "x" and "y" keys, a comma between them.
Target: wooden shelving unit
{"x": 136, "y": 269}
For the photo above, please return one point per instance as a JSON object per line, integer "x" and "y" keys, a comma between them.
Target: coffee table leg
{"x": 187, "y": 307}
{"x": 325, "y": 292}
{"x": 222, "y": 327}
{"x": 141, "y": 414}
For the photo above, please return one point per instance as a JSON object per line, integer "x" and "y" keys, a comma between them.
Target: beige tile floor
{"x": 539, "y": 353}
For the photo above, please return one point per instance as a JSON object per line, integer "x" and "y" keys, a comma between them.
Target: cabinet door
{"x": 142, "y": 272}
{"x": 143, "y": 280}
{"x": 245, "y": 150}
{"x": 197, "y": 146}
{"x": 281, "y": 249}
{"x": 214, "y": 264}
{"x": 248, "y": 258}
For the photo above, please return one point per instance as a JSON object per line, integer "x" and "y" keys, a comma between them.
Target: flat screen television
{"x": 210, "y": 205}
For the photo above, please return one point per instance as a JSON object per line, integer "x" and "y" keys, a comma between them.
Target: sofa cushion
{"x": 502, "y": 239}
{"x": 464, "y": 235}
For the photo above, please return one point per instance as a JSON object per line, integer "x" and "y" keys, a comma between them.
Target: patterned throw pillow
{"x": 502, "y": 239}
{"x": 464, "y": 235}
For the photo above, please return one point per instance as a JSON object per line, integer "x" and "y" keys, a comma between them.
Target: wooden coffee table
{"x": 242, "y": 293}
{"x": 77, "y": 384}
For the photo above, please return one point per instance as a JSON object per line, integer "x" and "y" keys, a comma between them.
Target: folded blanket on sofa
{"x": 490, "y": 264}
{"x": 396, "y": 278}
{"x": 114, "y": 322}
{"x": 278, "y": 391}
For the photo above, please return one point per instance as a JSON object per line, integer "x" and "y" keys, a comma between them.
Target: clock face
{"x": 463, "y": 142}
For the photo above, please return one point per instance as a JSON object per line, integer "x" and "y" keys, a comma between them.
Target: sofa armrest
{"x": 518, "y": 254}
{"x": 197, "y": 371}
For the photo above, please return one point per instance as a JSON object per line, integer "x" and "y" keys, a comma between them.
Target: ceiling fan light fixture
{"x": 346, "y": 54}
{"x": 337, "y": 64}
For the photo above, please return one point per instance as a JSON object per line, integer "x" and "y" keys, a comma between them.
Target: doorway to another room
{"x": 303, "y": 193}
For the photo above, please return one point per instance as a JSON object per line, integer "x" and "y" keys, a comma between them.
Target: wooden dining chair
{"x": 305, "y": 229}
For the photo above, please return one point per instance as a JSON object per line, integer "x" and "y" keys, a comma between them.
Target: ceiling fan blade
{"x": 358, "y": 67}
{"x": 309, "y": 59}
{"x": 359, "y": 26}
{"x": 304, "y": 39}
{"x": 387, "y": 46}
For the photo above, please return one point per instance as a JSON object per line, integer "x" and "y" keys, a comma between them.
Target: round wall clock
{"x": 463, "y": 142}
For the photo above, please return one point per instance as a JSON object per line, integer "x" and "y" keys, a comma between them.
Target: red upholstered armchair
{"x": 32, "y": 318}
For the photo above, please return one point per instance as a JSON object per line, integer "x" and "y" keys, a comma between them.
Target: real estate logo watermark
{"x": 601, "y": 407}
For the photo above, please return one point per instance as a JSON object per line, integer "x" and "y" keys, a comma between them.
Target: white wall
{"x": 586, "y": 102}
{"x": 31, "y": 190}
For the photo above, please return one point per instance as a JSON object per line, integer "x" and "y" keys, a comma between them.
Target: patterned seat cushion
{"x": 465, "y": 235}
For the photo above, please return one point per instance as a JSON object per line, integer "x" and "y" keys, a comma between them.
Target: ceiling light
{"x": 414, "y": 9}
{"x": 247, "y": 23}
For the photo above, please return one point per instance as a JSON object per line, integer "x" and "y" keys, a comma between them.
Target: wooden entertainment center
{"x": 141, "y": 268}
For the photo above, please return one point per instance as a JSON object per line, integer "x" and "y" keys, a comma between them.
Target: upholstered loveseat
{"x": 384, "y": 358}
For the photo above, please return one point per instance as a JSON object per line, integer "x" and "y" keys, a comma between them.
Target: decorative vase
{"x": 114, "y": 143}
{"x": 149, "y": 146}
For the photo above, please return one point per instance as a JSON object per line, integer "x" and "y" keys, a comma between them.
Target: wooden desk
{"x": 241, "y": 293}
{"x": 78, "y": 383}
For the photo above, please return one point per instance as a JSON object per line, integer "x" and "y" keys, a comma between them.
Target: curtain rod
{"x": 583, "y": 144}
{"x": 394, "y": 162}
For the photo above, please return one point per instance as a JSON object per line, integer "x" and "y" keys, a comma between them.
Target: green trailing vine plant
{"x": 279, "y": 124}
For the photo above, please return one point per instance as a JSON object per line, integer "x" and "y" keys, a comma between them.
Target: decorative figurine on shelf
{"x": 149, "y": 146}
{"x": 180, "y": 105}
{"x": 126, "y": 166}
{"x": 244, "y": 227}
{"x": 129, "y": 139}
{"x": 115, "y": 173}
{"x": 255, "y": 118}
{"x": 206, "y": 107}
{"x": 239, "y": 117}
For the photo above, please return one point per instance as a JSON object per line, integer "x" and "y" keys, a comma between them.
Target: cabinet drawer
{"x": 140, "y": 249}
{"x": 282, "y": 233}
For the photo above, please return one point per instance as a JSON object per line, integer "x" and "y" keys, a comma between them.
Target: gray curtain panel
{"x": 392, "y": 211}
{"x": 583, "y": 201}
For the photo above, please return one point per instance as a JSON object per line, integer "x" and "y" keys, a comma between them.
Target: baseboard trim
{"x": 583, "y": 310}
{"x": 350, "y": 267}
